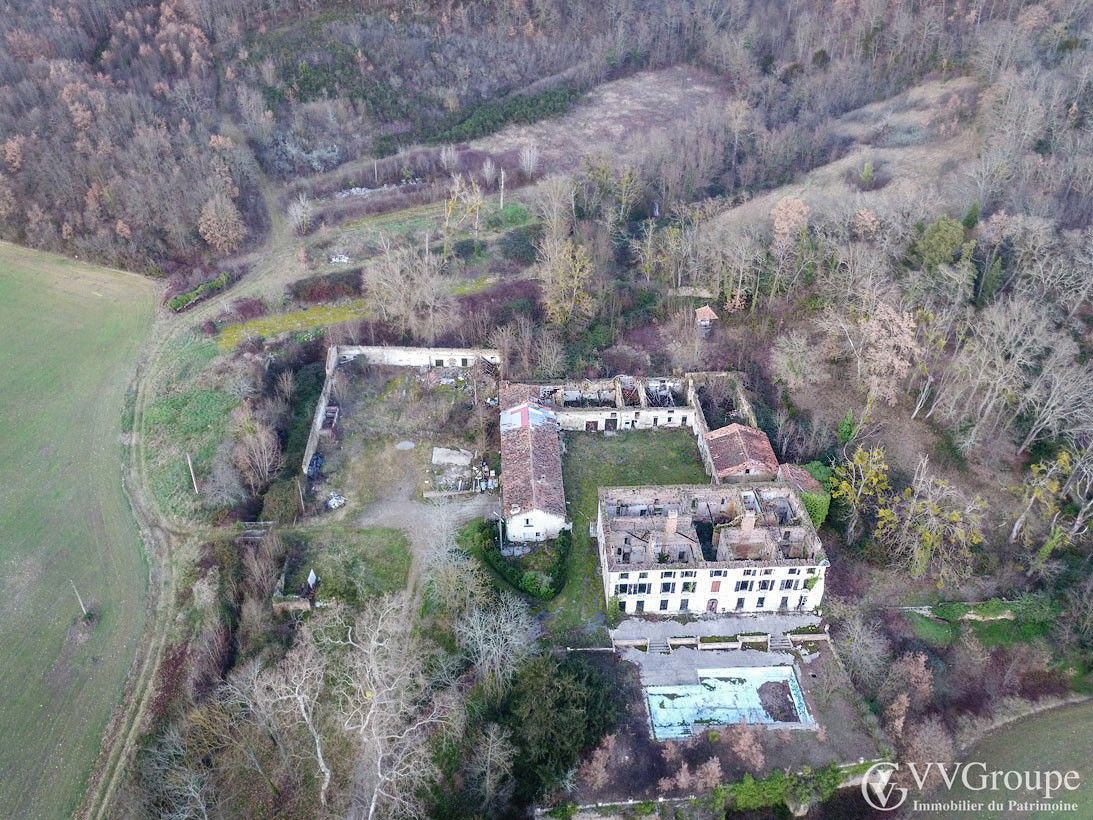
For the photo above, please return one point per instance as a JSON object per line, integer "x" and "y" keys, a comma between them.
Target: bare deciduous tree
{"x": 529, "y": 160}
{"x": 387, "y": 706}
{"x": 496, "y": 638}
{"x": 220, "y": 224}
{"x": 300, "y": 213}
{"x": 797, "y": 362}
{"x": 257, "y": 452}
{"x": 293, "y": 690}
{"x": 490, "y": 767}
{"x": 863, "y": 649}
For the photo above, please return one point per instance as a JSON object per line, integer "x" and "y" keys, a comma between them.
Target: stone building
{"x": 720, "y": 548}
{"x": 739, "y": 452}
{"x": 532, "y": 498}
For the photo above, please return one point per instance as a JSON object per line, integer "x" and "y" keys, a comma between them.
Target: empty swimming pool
{"x": 726, "y": 696}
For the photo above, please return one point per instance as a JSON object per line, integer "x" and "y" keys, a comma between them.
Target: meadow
{"x": 70, "y": 334}
{"x": 1055, "y": 740}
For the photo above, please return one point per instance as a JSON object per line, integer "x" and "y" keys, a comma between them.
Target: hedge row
{"x": 521, "y": 109}
{"x": 478, "y": 539}
{"x": 184, "y": 300}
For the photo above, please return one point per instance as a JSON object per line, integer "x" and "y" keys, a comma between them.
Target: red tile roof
{"x": 705, "y": 314}
{"x": 738, "y": 449}
{"x": 531, "y": 463}
{"x": 511, "y": 394}
{"x": 799, "y": 478}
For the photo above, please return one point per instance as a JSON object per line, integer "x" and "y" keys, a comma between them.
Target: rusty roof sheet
{"x": 737, "y": 447}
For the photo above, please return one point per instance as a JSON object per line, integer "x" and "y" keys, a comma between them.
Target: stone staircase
{"x": 659, "y": 645}
{"x": 780, "y": 643}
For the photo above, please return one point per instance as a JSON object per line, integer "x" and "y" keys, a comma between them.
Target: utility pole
{"x": 78, "y": 598}
{"x": 193, "y": 478}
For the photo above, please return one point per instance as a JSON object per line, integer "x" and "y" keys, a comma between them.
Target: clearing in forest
{"x": 69, "y": 335}
{"x": 618, "y": 120}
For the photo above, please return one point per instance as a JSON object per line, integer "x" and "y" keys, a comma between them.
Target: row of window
{"x": 782, "y": 603}
{"x": 718, "y": 573}
{"x": 666, "y": 588}
{"x": 764, "y": 586}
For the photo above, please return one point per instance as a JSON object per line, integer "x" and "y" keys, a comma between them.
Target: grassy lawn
{"x": 353, "y": 564}
{"x": 1008, "y": 633}
{"x": 70, "y": 334}
{"x": 190, "y": 415}
{"x": 933, "y": 632}
{"x": 1057, "y": 740}
{"x": 296, "y": 320}
{"x": 591, "y": 461}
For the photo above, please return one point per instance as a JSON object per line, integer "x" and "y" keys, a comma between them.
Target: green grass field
{"x": 933, "y": 632}
{"x": 190, "y": 414}
{"x": 1057, "y": 740}
{"x": 592, "y": 461}
{"x": 70, "y": 334}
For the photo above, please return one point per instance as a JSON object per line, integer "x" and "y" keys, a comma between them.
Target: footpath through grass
{"x": 591, "y": 461}
{"x": 70, "y": 334}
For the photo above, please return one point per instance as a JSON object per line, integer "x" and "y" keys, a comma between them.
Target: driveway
{"x": 429, "y": 525}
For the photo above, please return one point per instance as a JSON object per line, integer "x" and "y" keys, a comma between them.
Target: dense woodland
{"x": 139, "y": 133}
{"x": 152, "y": 135}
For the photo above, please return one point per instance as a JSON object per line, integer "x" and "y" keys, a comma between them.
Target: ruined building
{"x": 721, "y": 548}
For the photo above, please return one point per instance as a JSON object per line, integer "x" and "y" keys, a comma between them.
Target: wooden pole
{"x": 78, "y": 598}
{"x": 502, "y": 189}
{"x": 193, "y": 478}
{"x": 376, "y": 171}
{"x": 301, "y": 491}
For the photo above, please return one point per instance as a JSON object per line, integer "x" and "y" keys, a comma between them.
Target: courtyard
{"x": 594, "y": 460}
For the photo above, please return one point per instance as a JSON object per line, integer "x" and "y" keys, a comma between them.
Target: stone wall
{"x": 392, "y": 356}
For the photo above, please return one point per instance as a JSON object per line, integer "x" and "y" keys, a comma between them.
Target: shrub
{"x": 821, "y": 472}
{"x": 845, "y": 431}
{"x": 186, "y": 299}
{"x": 519, "y": 109}
{"x": 327, "y": 287}
{"x": 971, "y": 218}
{"x": 281, "y": 502}
{"x": 249, "y": 308}
{"x": 511, "y": 216}
{"x": 818, "y": 505}
{"x": 519, "y": 245}
{"x": 939, "y": 243}
{"x": 536, "y": 584}
{"x": 1035, "y": 608}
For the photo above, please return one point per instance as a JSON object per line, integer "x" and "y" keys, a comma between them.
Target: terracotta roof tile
{"x": 737, "y": 448}
{"x": 511, "y": 394}
{"x": 799, "y": 478}
{"x": 705, "y": 314}
{"x": 531, "y": 463}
